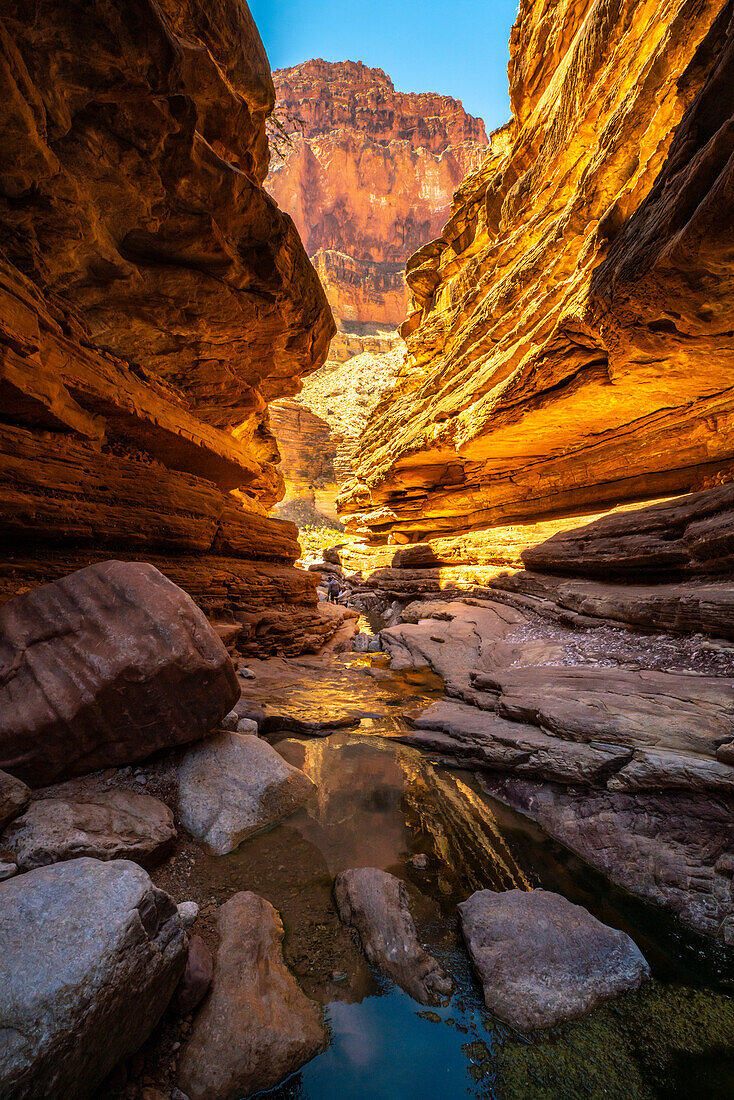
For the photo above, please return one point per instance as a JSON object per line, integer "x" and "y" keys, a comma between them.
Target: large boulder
{"x": 90, "y": 954}
{"x": 14, "y": 797}
{"x": 103, "y": 668}
{"x": 257, "y": 1026}
{"x": 376, "y": 903}
{"x": 233, "y": 785}
{"x": 420, "y": 555}
{"x": 108, "y": 825}
{"x": 542, "y": 960}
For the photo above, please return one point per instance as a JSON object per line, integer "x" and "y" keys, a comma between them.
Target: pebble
{"x": 141, "y": 779}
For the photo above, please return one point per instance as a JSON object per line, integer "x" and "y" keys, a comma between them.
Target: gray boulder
{"x": 90, "y": 954}
{"x": 376, "y": 903}
{"x": 107, "y": 825}
{"x": 233, "y": 785}
{"x": 543, "y": 960}
{"x": 14, "y": 797}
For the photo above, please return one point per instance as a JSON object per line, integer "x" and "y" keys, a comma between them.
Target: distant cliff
{"x": 368, "y": 179}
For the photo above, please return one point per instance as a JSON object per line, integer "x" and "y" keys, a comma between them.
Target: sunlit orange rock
{"x": 570, "y": 343}
{"x": 153, "y": 300}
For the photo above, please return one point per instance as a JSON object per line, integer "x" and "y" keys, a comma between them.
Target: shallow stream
{"x": 380, "y": 803}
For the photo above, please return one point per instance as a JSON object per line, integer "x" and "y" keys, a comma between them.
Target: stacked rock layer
{"x": 153, "y": 300}
{"x": 368, "y": 177}
{"x": 569, "y": 343}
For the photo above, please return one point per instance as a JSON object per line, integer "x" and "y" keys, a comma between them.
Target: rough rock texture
{"x": 670, "y": 847}
{"x": 570, "y": 340}
{"x": 196, "y": 978}
{"x": 378, "y": 906}
{"x": 153, "y": 299}
{"x": 256, "y": 1026}
{"x": 103, "y": 668}
{"x": 308, "y": 448}
{"x": 14, "y": 797}
{"x": 109, "y": 825}
{"x": 685, "y": 537}
{"x": 233, "y": 785}
{"x": 636, "y": 726}
{"x": 542, "y": 960}
{"x": 369, "y": 177}
{"x": 90, "y": 954}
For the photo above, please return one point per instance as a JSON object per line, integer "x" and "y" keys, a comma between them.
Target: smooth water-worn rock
{"x": 481, "y": 739}
{"x": 256, "y": 1026}
{"x": 107, "y": 825}
{"x": 377, "y": 904}
{"x": 233, "y": 785}
{"x": 196, "y": 978}
{"x": 90, "y": 954}
{"x": 668, "y": 847}
{"x": 542, "y": 960}
{"x": 104, "y": 668}
{"x": 14, "y": 797}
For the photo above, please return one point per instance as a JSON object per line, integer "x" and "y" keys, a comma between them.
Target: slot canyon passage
{"x": 367, "y": 569}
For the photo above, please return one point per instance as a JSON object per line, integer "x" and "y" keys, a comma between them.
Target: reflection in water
{"x": 381, "y": 803}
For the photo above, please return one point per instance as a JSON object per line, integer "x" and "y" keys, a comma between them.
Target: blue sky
{"x": 455, "y": 47}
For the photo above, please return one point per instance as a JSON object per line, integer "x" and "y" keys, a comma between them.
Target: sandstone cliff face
{"x": 368, "y": 178}
{"x": 153, "y": 299}
{"x": 570, "y": 344}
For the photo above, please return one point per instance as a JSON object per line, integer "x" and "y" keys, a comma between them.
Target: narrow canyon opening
{"x": 367, "y": 569}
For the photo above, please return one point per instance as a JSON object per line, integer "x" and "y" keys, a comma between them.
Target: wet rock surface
{"x": 256, "y": 1026}
{"x": 664, "y": 847}
{"x": 542, "y": 960}
{"x": 110, "y": 825}
{"x": 232, "y": 786}
{"x": 377, "y": 904}
{"x": 104, "y": 668}
{"x": 90, "y": 955}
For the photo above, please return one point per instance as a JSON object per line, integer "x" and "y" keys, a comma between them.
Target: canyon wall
{"x": 367, "y": 173}
{"x": 569, "y": 343}
{"x": 153, "y": 300}
{"x": 368, "y": 177}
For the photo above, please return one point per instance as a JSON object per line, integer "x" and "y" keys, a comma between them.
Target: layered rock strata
{"x": 569, "y": 344}
{"x": 599, "y": 708}
{"x": 367, "y": 174}
{"x": 153, "y": 300}
{"x": 368, "y": 177}
{"x": 308, "y": 449}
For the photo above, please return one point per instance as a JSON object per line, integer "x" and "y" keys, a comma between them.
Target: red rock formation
{"x": 308, "y": 448}
{"x": 104, "y": 668}
{"x": 368, "y": 178}
{"x": 570, "y": 343}
{"x": 153, "y": 299}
